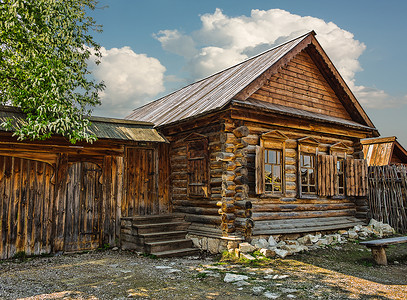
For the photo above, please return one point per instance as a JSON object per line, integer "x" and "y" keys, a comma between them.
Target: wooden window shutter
{"x": 356, "y": 177}
{"x": 327, "y": 173}
{"x": 260, "y": 170}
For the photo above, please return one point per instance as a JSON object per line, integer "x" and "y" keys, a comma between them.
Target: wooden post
{"x": 379, "y": 255}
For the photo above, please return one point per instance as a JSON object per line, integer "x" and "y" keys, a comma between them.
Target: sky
{"x": 151, "y": 48}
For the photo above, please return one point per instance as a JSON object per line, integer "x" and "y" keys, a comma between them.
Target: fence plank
{"x": 387, "y": 195}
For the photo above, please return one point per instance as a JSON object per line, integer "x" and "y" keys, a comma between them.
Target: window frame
{"x": 315, "y": 170}
{"x": 307, "y": 145}
{"x": 272, "y": 140}
{"x": 340, "y": 151}
{"x": 280, "y": 164}
{"x": 189, "y": 140}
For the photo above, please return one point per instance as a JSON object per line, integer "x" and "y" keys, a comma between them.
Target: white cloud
{"x": 223, "y": 41}
{"x": 130, "y": 79}
{"x": 372, "y": 97}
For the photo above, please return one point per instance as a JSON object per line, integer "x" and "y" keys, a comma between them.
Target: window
{"x": 340, "y": 176}
{"x": 307, "y": 167}
{"x": 273, "y": 170}
{"x": 197, "y": 163}
{"x": 307, "y": 170}
{"x": 270, "y": 164}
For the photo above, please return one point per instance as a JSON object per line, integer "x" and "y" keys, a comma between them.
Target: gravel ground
{"x": 121, "y": 275}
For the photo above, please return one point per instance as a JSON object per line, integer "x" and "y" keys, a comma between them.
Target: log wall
{"x": 75, "y": 204}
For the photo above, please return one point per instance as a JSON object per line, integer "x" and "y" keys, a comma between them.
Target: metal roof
{"x": 299, "y": 113}
{"x": 102, "y": 128}
{"x": 213, "y": 92}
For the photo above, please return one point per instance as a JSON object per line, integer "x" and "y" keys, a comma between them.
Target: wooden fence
{"x": 388, "y": 195}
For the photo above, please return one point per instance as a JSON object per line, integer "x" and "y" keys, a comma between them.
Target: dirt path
{"x": 123, "y": 275}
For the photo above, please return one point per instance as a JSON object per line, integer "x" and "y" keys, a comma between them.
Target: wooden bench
{"x": 378, "y": 247}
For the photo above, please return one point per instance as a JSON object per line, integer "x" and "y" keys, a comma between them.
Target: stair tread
{"x": 177, "y": 251}
{"x": 152, "y": 234}
{"x": 173, "y": 215}
{"x": 167, "y": 242}
{"x": 159, "y": 224}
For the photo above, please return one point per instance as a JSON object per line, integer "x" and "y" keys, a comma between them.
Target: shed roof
{"x": 238, "y": 82}
{"x": 102, "y": 128}
{"x": 384, "y": 151}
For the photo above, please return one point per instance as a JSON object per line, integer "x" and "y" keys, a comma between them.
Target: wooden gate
{"x": 141, "y": 184}
{"x": 83, "y": 207}
{"x": 26, "y": 205}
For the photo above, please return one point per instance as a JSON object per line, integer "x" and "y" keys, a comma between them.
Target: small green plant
{"x": 228, "y": 257}
{"x": 152, "y": 256}
{"x": 105, "y": 247}
{"x": 21, "y": 255}
{"x": 201, "y": 275}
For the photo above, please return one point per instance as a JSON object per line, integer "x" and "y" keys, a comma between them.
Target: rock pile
{"x": 282, "y": 246}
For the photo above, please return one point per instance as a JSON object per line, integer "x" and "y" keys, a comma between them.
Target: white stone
{"x": 305, "y": 240}
{"x": 213, "y": 245}
{"x": 230, "y": 277}
{"x": 272, "y": 242}
{"x": 282, "y": 253}
{"x": 196, "y": 242}
{"x": 314, "y": 238}
{"x": 280, "y": 244}
{"x": 357, "y": 228}
{"x": 241, "y": 283}
{"x": 268, "y": 252}
{"x": 257, "y": 290}
{"x": 247, "y": 256}
{"x": 270, "y": 295}
{"x": 294, "y": 248}
{"x": 261, "y": 243}
{"x": 246, "y": 247}
{"x": 352, "y": 234}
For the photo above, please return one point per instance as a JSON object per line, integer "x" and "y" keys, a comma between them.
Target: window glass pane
{"x": 278, "y": 160}
{"x": 272, "y": 155}
{"x": 269, "y": 187}
{"x": 341, "y": 181}
{"x": 304, "y": 189}
{"x": 304, "y": 176}
{"x": 311, "y": 176}
{"x": 306, "y": 160}
{"x": 277, "y": 173}
{"x": 312, "y": 188}
{"x": 277, "y": 187}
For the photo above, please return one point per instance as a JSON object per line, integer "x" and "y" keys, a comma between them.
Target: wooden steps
{"x": 158, "y": 235}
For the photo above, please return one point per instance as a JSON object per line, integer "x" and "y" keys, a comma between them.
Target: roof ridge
{"x": 226, "y": 69}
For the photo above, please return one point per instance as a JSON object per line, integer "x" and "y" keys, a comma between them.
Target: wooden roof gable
{"x": 383, "y": 151}
{"x": 239, "y": 82}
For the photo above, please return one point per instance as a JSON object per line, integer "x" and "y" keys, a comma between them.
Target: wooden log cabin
{"x": 55, "y": 196}
{"x": 268, "y": 146}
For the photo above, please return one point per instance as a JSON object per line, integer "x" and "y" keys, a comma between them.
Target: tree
{"x": 44, "y": 48}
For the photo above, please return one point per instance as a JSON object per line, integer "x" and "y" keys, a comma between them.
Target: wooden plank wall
{"x": 301, "y": 85}
{"x": 41, "y": 213}
{"x": 147, "y": 181}
{"x": 26, "y": 206}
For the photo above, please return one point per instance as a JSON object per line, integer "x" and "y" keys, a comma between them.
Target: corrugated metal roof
{"x": 103, "y": 128}
{"x": 213, "y": 92}
{"x": 299, "y": 113}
